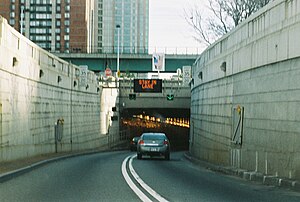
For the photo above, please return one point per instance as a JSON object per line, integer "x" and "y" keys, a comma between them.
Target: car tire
{"x": 139, "y": 156}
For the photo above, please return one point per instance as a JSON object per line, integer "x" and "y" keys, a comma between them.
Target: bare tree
{"x": 223, "y": 17}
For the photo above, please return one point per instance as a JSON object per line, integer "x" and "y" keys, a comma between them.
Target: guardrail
{"x": 143, "y": 50}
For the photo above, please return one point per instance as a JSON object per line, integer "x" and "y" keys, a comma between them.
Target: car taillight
{"x": 141, "y": 142}
{"x": 166, "y": 142}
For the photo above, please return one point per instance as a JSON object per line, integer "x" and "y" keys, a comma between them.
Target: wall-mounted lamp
{"x": 59, "y": 79}
{"x": 87, "y": 86}
{"x": 191, "y": 84}
{"x": 41, "y": 73}
{"x": 98, "y": 89}
{"x": 15, "y": 61}
{"x": 74, "y": 83}
{"x": 77, "y": 72}
{"x": 223, "y": 66}
{"x": 200, "y": 75}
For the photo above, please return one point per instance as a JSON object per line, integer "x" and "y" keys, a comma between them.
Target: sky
{"x": 168, "y": 27}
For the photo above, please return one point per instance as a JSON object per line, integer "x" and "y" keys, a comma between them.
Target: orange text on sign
{"x": 147, "y": 84}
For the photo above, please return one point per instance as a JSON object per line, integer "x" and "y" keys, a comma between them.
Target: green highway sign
{"x": 170, "y": 97}
{"x": 132, "y": 96}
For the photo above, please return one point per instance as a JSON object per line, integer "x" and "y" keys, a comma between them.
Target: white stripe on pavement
{"x": 136, "y": 190}
{"x": 143, "y": 184}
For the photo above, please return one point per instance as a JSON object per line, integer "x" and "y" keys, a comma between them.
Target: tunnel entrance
{"x": 173, "y": 122}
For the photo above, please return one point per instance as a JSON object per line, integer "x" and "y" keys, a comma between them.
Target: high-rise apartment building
{"x": 128, "y": 17}
{"x": 55, "y": 25}
{"x": 81, "y": 25}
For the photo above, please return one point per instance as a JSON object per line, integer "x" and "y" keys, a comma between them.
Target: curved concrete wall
{"x": 253, "y": 73}
{"x": 38, "y": 90}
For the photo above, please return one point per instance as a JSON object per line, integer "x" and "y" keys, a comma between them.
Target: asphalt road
{"x": 99, "y": 177}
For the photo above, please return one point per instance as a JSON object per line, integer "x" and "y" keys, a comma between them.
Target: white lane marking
{"x": 136, "y": 190}
{"x": 143, "y": 184}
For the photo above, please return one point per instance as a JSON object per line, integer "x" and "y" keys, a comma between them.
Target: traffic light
{"x": 132, "y": 96}
{"x": 170, "y": 97}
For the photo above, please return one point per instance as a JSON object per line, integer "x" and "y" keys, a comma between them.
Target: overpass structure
{"x": 129, "y": 103}
{"x": 156, "y": 104}
{"x": 181, "y": 96}
{"x": 128, "y": 62}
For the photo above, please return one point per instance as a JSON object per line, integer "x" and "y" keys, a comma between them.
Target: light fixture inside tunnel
{"x": 146, "y": 121}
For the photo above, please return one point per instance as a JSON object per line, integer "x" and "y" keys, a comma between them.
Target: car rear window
{"x": 154, "y": 136}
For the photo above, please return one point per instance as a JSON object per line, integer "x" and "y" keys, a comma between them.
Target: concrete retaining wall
{"x": 252, "y": 73}
{"x": 39, "y": 91}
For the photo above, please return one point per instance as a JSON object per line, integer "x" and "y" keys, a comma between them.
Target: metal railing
{"x": 140, "y": 50}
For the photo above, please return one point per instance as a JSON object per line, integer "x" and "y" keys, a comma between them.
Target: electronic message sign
{"x": 147, "y": 85}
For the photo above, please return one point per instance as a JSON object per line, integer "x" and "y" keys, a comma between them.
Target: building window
{"x": 67, "y": 15}
{"x": 12, "y": 22}
{"x": 67, "y": 22}
{"x": 32, "y": 16}
{"x": 67, "y": 45}
{"x": 57, "y": 45}
{"x": 40, "y": 31}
